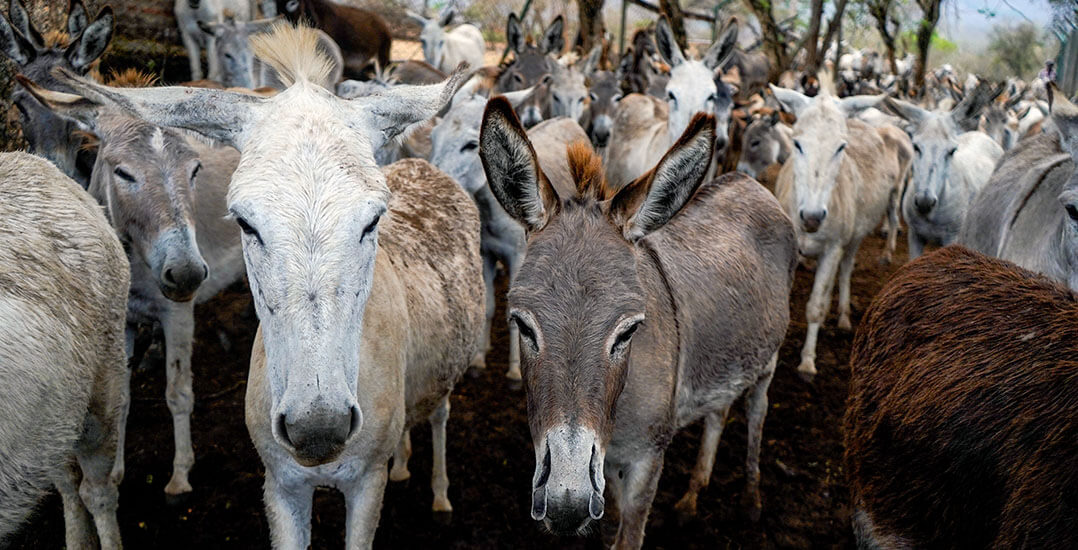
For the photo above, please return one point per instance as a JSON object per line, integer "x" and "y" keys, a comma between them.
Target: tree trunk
{"x": 812, "y": 37}
{"x": 833, "y": 26}
{"x": 772, "y": 38}
{"x": 1067, "y": 73}
{"x": 591, "y": 25}
{"x": 880, "y": 10}
{"x": 930, "y": 10}
{"x": 672, "y": 9}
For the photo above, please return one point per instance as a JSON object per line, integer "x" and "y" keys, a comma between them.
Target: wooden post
{"x": 621, "y": 39}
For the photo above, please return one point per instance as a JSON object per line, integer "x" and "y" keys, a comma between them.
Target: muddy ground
{"x": 806, "y": 502}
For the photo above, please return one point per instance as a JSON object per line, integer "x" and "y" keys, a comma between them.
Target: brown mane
{"x": 586, "y": 169}
{"x": 131, "y": 78}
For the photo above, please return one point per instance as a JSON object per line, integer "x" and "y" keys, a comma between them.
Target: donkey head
{"x": 531, "y": 65}
{"x": 604, "y": 92}
{"x": 760, "y": 146}
{"x": 1065, "y": 115}
{"x": 308, "y": 196}
{"x": 145, "y": 177}
{"x": 692, "y": 87}
{"x": 577, "y": 298}
{"x": 49, "y": 135}
{"x": 432, "y": 37}
{"x": 820, "y": 138}
{"x": 234, "y": 49}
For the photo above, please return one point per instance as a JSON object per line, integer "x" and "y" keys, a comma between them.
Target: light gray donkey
{"x": 950, "y": 165}
{"x": 352, "y": 351}
{"x": 1027, "y": 213}
{"x": 611, "y": 315}
{"x": 164, "y": 193}
{"x": 63, "y": 378}
{"x": 444, "y": 50}
{"x": 51, "y": 136}
{"x": 455, "y": 149}
{"x": 189, "y": 13}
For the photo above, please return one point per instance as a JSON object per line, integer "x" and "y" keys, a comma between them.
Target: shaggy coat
{"x": 962, "y": 418}
{"x": 63, "y": 378}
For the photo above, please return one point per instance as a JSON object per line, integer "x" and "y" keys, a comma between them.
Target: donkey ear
{"x": 512, "y": 167}
{"x": 1065, "y": 115}
{"x": 905, "y": 110}
{"x": 855, "y": 104}
{"x": 554, "y": 37}
{"x": 723, "y": 48}
{"x": 591, "y": 63}
{"x": 262, "y": 25}
{"x": 667, "y": 44}
{"x": 419, "y": 19}
{"x": 514, "y": 34}
{"x": 447, "y": 17}
{"x": 92, "y": 43}
{"x": 967, "y": 114}
{"x": 395, "y": 111}
{"x": 220, "y": 115}
{"x": 77, "y": 18}
{"x": 70, "y": 106}
{"x": 211, "y": 28}
{"x": 791, "y": 100}
{"x": 15, "y": 45}
{"x": 520, "y": 96}
{"x": 653, "y": 199}
{"x": 20, "y": 19}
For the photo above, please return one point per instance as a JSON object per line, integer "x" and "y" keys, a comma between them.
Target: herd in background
{"x": 610, "y": 192}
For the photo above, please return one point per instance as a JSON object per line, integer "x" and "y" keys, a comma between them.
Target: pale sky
{"x": 964, "y": 24}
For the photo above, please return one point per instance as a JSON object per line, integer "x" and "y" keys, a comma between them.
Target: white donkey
{"x": 164, "y": 194}
{"x": 189, "y": 13}
{"x": 239, "y": 68}
{"x": 455, "y": 149}
{"x": 950, "y": 166}
{"x": 352, "y": 350}
{"x": 63, "y": 378}
{"x": 444, "y": 50}
{"x": 836, "y": 186}
{"x": 645, "y": 127}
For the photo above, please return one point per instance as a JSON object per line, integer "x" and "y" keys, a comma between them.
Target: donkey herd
{"x": 650, "y": 215}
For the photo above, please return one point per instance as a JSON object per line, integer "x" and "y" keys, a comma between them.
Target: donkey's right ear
{"x": 70, "y": 106}
{"x": 20, "y": 19}
{"x": 93, "y": 42}
{"x": 77, "y": 18}
{"x": 512, "y": 167}
{"x": 514, "y": 34}
{"x": 667, "y": 44}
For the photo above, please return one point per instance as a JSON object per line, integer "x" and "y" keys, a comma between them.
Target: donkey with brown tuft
{"x": 610, "y": 316}
{"x": 962, "y": 419}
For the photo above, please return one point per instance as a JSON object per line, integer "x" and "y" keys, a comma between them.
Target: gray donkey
{"x": 531, "y": 65}
{"x": 455, "y": 149}
{"x": 665, "y": 300}
{"x": 1027, "y": 213}
{"x": 164, "y": 193}
{"x": 351, "y": 351}
{"x": 49, "y": 135}
{"x": 63, "y": 378}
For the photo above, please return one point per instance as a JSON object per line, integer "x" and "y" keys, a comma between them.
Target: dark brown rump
{"x": 357, "y": 31}
{"x": 962, "y": 420}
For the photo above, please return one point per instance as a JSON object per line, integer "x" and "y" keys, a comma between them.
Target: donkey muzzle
{"x": 568, "y": 487}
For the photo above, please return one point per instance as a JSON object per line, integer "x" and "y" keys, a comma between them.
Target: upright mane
{"x": 293, "y": 53}
{"x": 131, "y": 78}
{"x": 586, "y": 169}
{"x": 827, "y": 82}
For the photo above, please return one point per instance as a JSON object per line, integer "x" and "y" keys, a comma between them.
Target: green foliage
{"x": 939, "y": 43}
{"x": 1017, "y": 47}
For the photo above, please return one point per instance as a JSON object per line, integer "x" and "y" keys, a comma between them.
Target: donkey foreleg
{"x": 705, "y": 461}
{"x": 818, "y": 304}
{"x": 100, "y": 452}
{"x": 755, "y": 413}
{"x": 288, "y": 510}
{"x": 364, "y": 503}
{"x": 845, "y": 272}
{"x": 439, "y": 481}
{"x": 490, "y": 266}
{"x": 179, "y": 325}
{"x": 637, "y": 491}
{"x": 194, "y": 54}
{"x": 400, "y": 458}
{"x": 78, "y": 530}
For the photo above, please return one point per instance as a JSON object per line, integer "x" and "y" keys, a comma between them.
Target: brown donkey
{"x": 697, "y": 275}
{"x": 962, "y": 425}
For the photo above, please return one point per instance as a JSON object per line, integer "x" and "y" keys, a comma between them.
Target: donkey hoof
{"x": 844, "y": 323}
{"x": 753, "y": 507}
{"x": 807, "y": 370}
{"x": 474, "y": 372}
{"x": 442, "y": 511}
{"x": 686, "y": 509}
{"x": 885, "y": 259}
{"x": 516, "y": 384}
{"x": 178, "y": 500}
{"x": 399, "y": 474}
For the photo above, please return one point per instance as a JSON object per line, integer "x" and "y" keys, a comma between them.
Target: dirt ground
{"x": 490, "y": 457}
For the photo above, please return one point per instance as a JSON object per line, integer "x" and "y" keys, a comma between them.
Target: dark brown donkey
{"x": 698, "y": 276}
{"x": 962, "y": 425}
{"x": 362, "y": 34}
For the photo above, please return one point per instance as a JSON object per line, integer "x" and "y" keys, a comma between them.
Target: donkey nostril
{"x": 282, "y": 429}
{"x": 205, "y": 272}
{"x": 1072, "y": 211}
{"x": 168, "y": 277}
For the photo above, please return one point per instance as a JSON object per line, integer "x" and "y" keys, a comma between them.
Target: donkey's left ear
{"x": 653, "y": 199}
{"x": 386, "y": 115}
{"x": 723, "y": 48}
{"x": 92, "y": 42}
{"x": 447, "y": 17}
{"x": 70, "y": 106}
{"x": 554, "y": 37}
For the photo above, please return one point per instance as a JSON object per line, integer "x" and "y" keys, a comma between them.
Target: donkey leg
{"x": 213, "y": 64}
{"x": 400, "y": 458}
{"x": 179, "y": 326}
{"x": 637, "y": 492}
{"x": 892, "y": 227}
{"x": 288, "y": 510}
{"x": 439, "y": 481}
{"x": 916, "y": 244}
{"x": 819, "y": 303}
{"x": 78, "y": 533}
{"x": 479, "y": 361}
{"x": 705, "y": 461}
{"x": 364, "y": 505}
{"x": 845, "y": 271}
{"x": 194, "y": 54}
{"x": 755, "y": 412}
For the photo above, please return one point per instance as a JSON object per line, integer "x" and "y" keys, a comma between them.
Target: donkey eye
{"x": 670, "y": 96}
{"x": 713, "y": 98}
{"x": 593, "y": 97}
{"x": 470, "y": 146}
{"x": 951, "y": 152}
{"x": 518, "y": 78}
{"x": 557, "y": 98}
{"x": 841, "y": 148}
{"x": 124, "y": 175}
{"x": 797, "y": 144}
{"x": 916, "y": 148}
{"x": 527, "y": 334}
{"x": 194, "y": 173}
{"x": 370, "y": 227}
{"x": 247, "y": 229}
{"x": 621, "y": 343}
{"x": 755, "y": 143}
